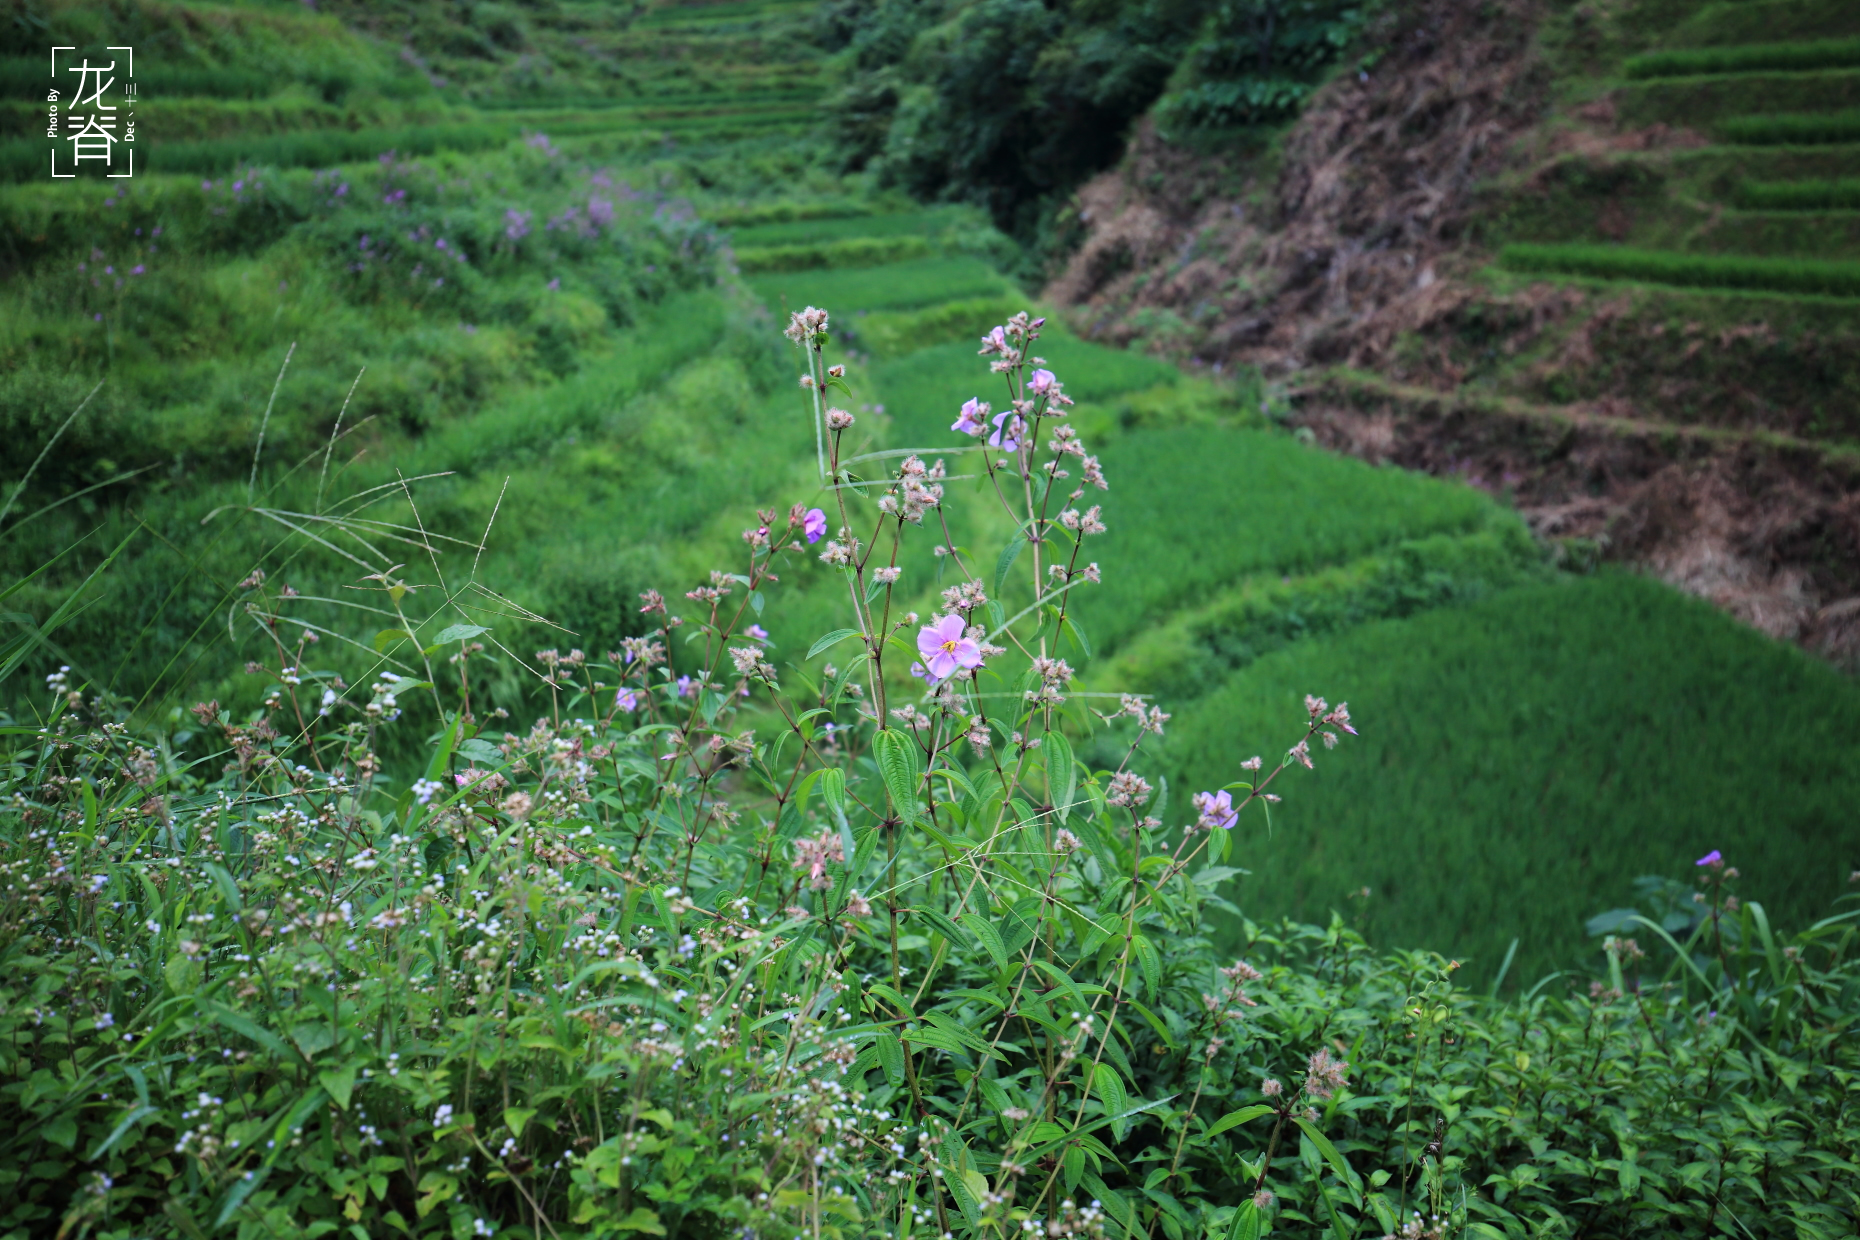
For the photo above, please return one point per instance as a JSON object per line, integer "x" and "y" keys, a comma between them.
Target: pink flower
{"x": 945, "y": 647}
{"x": 814, "y": 525}
{"x": 1217, "y": 810}
{"x": 974, "y": 419}
{"x": 995, "y": 342}
{"x": 1004, "y": 436}
{"x": 756, "y": 632}
{"x": 626, "y": 699}
{"x": 1040, "y": 383}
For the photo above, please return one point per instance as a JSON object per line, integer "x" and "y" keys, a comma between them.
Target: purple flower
{"x": 1217, "y": 810}
{"x": 814, "y": 525}
{"x": 917, "y": 670}
{"x": 626, "y": 699}
{"x": 342, "y": 189}
{"x": 685, "y": 687}
{"x": 601, "y": 212}
{"x": 974, "y": 419}
{"x": 1003, "y": 438}
{"x": 136, "y": 270}
{"x": 97, "y": 318}
{"x": 205, "y": 186}
{"x": 945, "y": 646}
{"x": 1714, "y": 857}
{"x": 237, "y": 186}
{"x": 756, "y": 632}
{"x": 1041, "y": 383}
{"x": 555, "y": 285}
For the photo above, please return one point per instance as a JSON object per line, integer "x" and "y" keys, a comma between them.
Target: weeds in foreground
{"x": 897, "y": 963}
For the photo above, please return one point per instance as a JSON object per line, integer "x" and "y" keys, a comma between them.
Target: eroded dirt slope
{"x": 1703, "y": 437}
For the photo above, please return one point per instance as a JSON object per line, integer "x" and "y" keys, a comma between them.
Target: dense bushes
{"x": 1012, "y": 103}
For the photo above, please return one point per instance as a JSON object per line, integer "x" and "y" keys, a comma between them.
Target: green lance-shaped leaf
{"x": 1246, "y": 1225}
{"x": 1062, "y": 773}
{"x": 830, "y": 640}
{"x": 1331, "y": 1156}
{"x": 1234, "y": 1119}
{"x": 1110, "y": 1090}
{"x": 833, "y": 791}
{"x": 901, "y": 764}
{"x": 1009, "y": 553}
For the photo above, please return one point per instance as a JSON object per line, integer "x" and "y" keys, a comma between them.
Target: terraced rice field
{"x": 1532, "y": 741}
{"x": 1772, "y": 88}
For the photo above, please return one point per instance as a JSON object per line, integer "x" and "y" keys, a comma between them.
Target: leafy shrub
{"x": 1008, "y": 104}
{"x": 1747, "y": 58}
{"x": 1780, "y": 275}
{"x": 1257, "y": 61}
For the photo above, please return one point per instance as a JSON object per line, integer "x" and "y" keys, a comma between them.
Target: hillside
{"x": 636, "y": 197}
{"x": 1599, "y": 261}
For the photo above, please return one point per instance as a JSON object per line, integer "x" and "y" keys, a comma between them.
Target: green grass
{"x": 1712, "y": 103}
{"x": 1748, "y": 58}
{"x": 852, "y": 252}
{"x": 895, "y": 333}
{"x": 1193, "y": 509}
{"x": 924, "y": 223}
{"x": 1523, "y": 759}
{"x": 1837, "y": 194}
{"x": 1766, "y": 21}
{"x": 1195, "y": 650}
{"x": 1710, "y": 271}
{"x": 923, "y": 390}
{"x": 896, "y": 286}
{"x": 1792, "y": 128}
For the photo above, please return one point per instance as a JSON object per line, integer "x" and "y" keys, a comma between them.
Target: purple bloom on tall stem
{"x": 1041, "y": 382}
{"x": 685, "y": 687}
{"x": 814, "y": 525}
{"x": 626, "y": 699}
{"x": 1714, "y": 857}
{"x": 945, "y": 646}
{"x": 974, "y": 417}
{"x": 1217, "y": 809}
